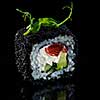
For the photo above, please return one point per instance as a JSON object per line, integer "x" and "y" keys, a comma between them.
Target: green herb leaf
{"x": 50, "y": 22}
{"x": 36, "y": 27}
{"x": 33, "y": 28}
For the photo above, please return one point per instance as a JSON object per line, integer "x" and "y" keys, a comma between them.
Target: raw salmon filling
{"x": 55, "y": 49}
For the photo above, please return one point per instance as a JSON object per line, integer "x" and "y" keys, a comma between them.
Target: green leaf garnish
{"x": 49, "y": 22}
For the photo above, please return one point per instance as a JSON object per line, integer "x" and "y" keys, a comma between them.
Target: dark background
{"x": 38, "y": 8}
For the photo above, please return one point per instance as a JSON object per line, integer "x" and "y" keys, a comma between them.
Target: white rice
{"x": 37, "y": 63}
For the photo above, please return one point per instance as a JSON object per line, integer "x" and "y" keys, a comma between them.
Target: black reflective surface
{"x": 62, "y": 89}
{"x": 55, "y": 91}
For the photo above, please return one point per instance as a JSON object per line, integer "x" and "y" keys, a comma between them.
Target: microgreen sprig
{"x": 34, "y": 27}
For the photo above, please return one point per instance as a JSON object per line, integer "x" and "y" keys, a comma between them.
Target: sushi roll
{"x": 45, "y": 50}
{"x": 46, "y": 55}
{"x": 52, "y": 57}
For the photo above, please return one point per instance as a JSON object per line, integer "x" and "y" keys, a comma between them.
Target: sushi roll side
{"x": 31, "y": 55}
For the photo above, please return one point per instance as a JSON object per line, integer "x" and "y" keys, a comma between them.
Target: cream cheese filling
{"x": 44, "y": 58}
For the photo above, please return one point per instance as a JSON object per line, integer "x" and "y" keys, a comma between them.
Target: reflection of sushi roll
{"x": 47, "y": 54}
{"x": 58, "y": 91}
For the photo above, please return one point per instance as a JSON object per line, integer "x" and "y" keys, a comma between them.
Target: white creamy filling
{"x": 45, "y": 58}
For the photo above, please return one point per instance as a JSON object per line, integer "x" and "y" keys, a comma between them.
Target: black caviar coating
{"x": 23, "y": 46}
